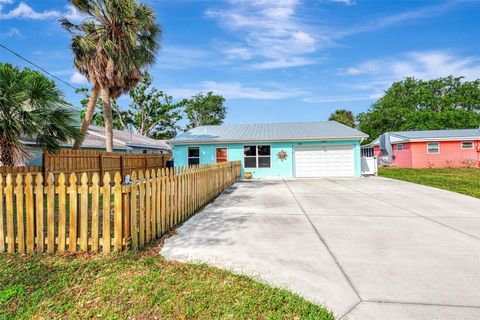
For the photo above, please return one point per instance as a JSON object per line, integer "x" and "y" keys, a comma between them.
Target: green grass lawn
{"x": 139, "y": 286}
{"x": 466, "y": 181}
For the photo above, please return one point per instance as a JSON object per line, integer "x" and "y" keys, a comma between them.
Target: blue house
{"x": 287, "y": 150}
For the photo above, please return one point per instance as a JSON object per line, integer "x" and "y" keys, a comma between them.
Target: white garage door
{"x": 327, "y": 161}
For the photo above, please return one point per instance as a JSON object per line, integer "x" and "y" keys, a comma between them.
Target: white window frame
{"x": 462, "y": 142}
{"x": 438, "y": 148}
{"x": 188, "y": 154}
{"x": 216, "y": 148}
{"x": 257, "y": 156}
{"x": 398, "y": 145}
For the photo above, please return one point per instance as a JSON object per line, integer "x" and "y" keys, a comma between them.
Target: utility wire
{"x": 37, "y": 66}
{"x": 42, "y": 69}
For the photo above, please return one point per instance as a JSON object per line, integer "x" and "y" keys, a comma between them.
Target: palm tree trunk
{"x": 107, "y": 116}
{"x": 6, "y": 153}
{"x": 88, "y": 117}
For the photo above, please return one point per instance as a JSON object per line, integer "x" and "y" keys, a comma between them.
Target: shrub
{"x": 470, "y": 163}
{"x": 450, "y": 164}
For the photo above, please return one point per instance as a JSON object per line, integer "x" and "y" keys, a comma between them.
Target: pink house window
{"x": 433, "y": 147}
{"x": 467, "y": 144}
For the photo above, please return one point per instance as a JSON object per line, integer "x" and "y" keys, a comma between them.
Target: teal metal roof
{"x": 323, "y": 130}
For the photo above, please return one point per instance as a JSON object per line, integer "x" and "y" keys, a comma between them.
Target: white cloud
{"x": 347, "y": 2}
{"x": 238, "y": 53}
{"x": 271, "y": 33}
{"x": 236, "y": 90}
{"x": 72, "y": 14}
{"x": 3, "y": 2}
{"x": 12, "y": 32}
{"x": 343, "y": 98}
{"x": 386, "y": 21}
{"x": 283, "y": 63}
{"x": 24, "y": 11}
{"x": 182, "y": 57}
{"x": 363, "y": 68}
{"x": 421, "y": 65}
{"x": 375, "y": 76}
{"x": 301, "y": 38}
{"x": 78, "y": 78}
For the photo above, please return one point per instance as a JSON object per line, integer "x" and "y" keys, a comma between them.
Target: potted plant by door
{"x": 248, "y": 175}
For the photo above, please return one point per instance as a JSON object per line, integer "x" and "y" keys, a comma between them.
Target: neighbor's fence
{"x": 90, "y": 161}
{"x": 4, "y": 170}
{"x": 86, "y": 215}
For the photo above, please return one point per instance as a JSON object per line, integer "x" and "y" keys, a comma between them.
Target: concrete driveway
{"x": 369, "y": 248}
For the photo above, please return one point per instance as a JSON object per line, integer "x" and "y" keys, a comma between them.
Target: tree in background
{"x": 152, "y": 112}
{"x": 444, "y": 103}
{"x": 205, "y": 109}
{"x": 110, "y": 47}
{"x": 343, "y": 116}
{"x": 31, "y": 106}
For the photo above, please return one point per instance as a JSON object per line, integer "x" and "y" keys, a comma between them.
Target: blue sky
{"x": 274, "y": 61}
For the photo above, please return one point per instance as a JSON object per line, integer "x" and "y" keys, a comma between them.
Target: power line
{"x": 38, "y": 67}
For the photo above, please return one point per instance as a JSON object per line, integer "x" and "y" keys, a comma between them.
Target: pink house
{"x": 432, "y": 148}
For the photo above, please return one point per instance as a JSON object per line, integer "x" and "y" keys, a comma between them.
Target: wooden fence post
{"x": 153, "y": 204}
{"x": 20, "y": 219}
{"x": 126, "y": 214}
{"x": 73, "y": 206}
{"x": 159, "y": 204}
{"x": 142, "y": 209}
{"x": 95, "y": 190}
{"x": 9, "y": 206}
{"x": 133, "y": 212}
{"x": 50, "y": 213}
{"x": 84, "y": 213}
{"x": 148, "y": 207}
{"x": 62, "y": 215}
{"x": 106, "y": 236}
{"x": 39, "y": 196}
{"x": 117, "y": 213}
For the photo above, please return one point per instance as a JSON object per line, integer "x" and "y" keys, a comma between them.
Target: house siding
{"x": 451, "y": 153}
{"x": 279, "y": 168}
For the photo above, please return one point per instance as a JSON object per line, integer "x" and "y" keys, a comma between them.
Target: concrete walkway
{"x": 369, "y": 248}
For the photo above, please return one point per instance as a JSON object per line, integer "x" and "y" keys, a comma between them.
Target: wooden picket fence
{"x": 90, "y": 161}
{"x": 91, "y": 216}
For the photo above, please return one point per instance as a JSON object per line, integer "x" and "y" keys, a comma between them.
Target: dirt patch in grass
{"x": 138, "y": 286}
{"x": 461, "y": 180}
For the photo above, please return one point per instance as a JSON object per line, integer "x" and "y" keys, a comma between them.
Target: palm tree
{"x": 110, "y": 47}
{"x": 31, "y": 107}
{"x": 343, "y": 116}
